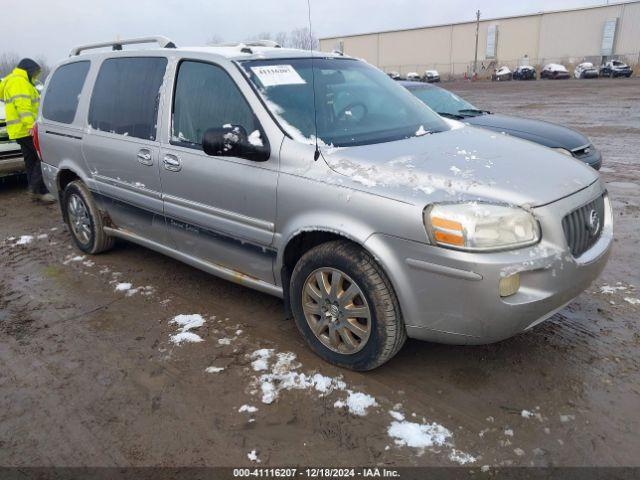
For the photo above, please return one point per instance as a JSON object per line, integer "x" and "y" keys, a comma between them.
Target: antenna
{"x": 316, "y": 153}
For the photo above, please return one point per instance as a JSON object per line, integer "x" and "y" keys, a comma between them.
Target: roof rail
{"x": 250, "y": 43}
{"x": 163, "y": 42}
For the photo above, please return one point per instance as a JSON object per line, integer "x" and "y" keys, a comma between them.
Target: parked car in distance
{"x": 372, "y": 217}
{"x": 11, "y": 162}
{"x": 585, "y": 70}
{"x": 413, "y": 77}
{"x": 502, "y": 74}
{"x": 555, "y": 71}
{"x": 524, "y": 72}
{"x": 394, "y": 75}
{"x": 431, "y": 76}
{"x": 562, "y": 139}
{"x": 615, "y": 68}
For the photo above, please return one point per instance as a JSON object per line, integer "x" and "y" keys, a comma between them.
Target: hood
{"x": 461, "y": 164}
{"x": 555, "y": 67}
{"x": 545, "y": 133}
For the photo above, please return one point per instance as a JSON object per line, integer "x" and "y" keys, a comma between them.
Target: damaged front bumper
{"x": 453, "y": 297}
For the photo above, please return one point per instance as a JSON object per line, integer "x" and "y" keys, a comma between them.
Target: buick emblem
{"x": 594, "y": 223}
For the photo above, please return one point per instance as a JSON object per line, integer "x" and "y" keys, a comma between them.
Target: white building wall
{"x": 567, "y": 37}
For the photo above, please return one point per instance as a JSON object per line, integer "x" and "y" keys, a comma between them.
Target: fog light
{"x": 509, "y": 285}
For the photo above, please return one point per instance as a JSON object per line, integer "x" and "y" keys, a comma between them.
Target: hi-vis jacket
{"x": 21, "y": 100}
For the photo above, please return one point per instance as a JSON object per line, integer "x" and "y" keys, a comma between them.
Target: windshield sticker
{"x": 272, "y": 75}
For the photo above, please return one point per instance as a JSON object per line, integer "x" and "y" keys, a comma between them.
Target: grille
{"x": 583, "y": 227}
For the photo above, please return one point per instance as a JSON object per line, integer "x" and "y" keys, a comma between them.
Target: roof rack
{"x": 163, "y": 42}
{"x": 246, "y": 46}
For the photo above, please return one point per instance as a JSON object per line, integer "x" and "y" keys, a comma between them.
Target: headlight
{"x": 563, "y": 150}
{"x": 480, "y": 226}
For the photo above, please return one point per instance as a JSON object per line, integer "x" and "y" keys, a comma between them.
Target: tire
{"x": 88, "y": 229}
{"x": 386, "y": 330}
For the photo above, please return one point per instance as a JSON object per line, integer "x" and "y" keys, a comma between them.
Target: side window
{"x": 126, "y": 96}
{"x": 206, "y": 97}
{"x": 63, "y": 93}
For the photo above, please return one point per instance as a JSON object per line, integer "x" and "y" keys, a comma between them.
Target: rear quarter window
{"x": 126, "y": 96}
{"x": 63, "y": 93}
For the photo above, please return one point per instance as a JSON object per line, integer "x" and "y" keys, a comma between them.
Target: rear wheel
{"x": 84, "y": 219}
{"x": 345, "y": 306}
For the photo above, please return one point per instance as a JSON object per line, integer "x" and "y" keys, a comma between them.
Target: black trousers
{"x": 32, "y": 164}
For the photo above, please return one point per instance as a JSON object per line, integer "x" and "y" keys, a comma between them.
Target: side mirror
{"x": 233, "y": 141}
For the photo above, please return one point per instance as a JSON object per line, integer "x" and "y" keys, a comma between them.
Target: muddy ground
{"x": 89, "y": 374}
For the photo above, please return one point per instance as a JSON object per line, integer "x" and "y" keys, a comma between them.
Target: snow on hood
{"x": 463, "y": 164}
{"x": 556, "y": 67}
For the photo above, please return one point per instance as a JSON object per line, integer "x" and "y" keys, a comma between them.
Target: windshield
{"x": 444, "y": 102}
{"x": 355, "y": 104}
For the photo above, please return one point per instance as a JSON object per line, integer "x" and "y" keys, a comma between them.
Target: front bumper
{"x": 450, "y": 296}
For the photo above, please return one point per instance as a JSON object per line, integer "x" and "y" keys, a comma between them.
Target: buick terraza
{"x": 317, "y": 178}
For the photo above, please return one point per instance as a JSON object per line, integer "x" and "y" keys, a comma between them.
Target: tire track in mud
{"x": 334, "y": 427}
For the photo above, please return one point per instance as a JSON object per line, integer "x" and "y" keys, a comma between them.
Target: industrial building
{"x": 562, "y": 36}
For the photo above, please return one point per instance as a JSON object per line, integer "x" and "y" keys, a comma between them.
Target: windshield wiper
{"x": 473, "y": 111}
{"x": 451, "y": 115}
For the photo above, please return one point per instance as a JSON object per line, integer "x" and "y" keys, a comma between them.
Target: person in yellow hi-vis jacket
{"x": 21, "y": 100}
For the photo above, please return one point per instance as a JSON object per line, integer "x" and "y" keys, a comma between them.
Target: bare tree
{"x": 215, "y": 39}
{"x": 282, "y": 39}
{"x": 8, "y": 62}
{"x": 304, "y": 39}
{"x": 299, "y": 38}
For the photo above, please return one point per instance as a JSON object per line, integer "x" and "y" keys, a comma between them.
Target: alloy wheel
{"x": 336, "y": 310}
{"x": 79, "y": 219}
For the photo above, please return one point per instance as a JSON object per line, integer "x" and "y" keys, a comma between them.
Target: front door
{"x": 120, "y": 147}
{"x": 218, "y": 209}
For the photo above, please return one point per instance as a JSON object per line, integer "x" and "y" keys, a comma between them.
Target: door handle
{"x": 172, "y": 163}
{"x": 144, "y": 157}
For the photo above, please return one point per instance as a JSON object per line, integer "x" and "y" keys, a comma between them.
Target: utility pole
{"x": 475, "y": 58}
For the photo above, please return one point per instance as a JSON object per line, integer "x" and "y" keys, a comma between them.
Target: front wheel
{"x": 345, "y": 306}
{"x": 84, "y": 219}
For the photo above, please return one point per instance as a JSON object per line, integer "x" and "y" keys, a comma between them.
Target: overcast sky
{"x": 54, "y": 27}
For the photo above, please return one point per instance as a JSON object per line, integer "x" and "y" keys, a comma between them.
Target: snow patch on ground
{"x": 248, "y": 409}
{"x": 280, "y": 375}
{"x": 632, "y": 301}
{"x": 187, "y": 323}
{"x": 213, "y": 369}
{"x": 357, "y": 403}
{"x": 123, "y": 287}
{"x": 69, "y": 259}
{"x": 253, "y": 456}
{"x": 24, "y": 240}
{"x": 461, "y": 458}
{"x": 418, "y": 435}
{"x": 278, "y": 372}
{"x": 261, "y": 359}
{"x": 609, "y": 289}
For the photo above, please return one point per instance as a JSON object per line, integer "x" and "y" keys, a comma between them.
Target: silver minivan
{"x": 318, "y": 179}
